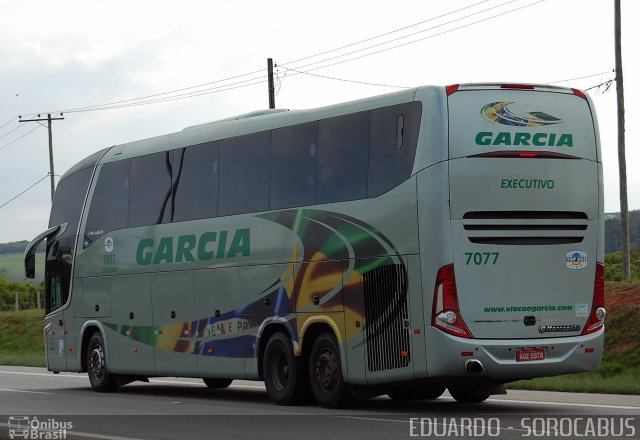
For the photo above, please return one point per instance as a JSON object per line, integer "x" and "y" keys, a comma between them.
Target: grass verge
{"x": 21, "y": 340}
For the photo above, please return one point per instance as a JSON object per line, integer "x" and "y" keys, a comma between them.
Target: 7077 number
{"x": 481, "y": 258}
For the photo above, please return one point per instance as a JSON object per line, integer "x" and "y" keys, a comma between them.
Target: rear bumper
{"x": 563, "y": 355}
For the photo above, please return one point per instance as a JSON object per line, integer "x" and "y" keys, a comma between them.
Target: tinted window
{"x": 196, "y": 181}
{"x": 343, "y": 158}
{"x": 69, "y": 198}
{"x": 394, "y": 135}
{"x": 150, "y": 192}
{"x": 244, "y": 174}
{"x": 109, "y": 204}
{"x": 67, "y": 207}
{"x": 293, "y": 165}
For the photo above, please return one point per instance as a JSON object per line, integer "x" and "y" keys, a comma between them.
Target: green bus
{"x": 434, "y": 238}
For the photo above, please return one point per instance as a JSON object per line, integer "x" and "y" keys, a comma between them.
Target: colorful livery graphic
{"x": 436, "y": 238}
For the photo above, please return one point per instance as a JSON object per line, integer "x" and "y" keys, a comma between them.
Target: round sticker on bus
{"x": 108, "y": 244}
{"x": 575, "y": 259}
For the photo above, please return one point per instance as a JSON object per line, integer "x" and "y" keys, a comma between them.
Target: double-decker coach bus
{"x": 438, "y": 237}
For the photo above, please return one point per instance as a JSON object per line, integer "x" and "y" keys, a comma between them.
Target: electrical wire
{"x": 420, "y": 39}
{"x": 11, "y": 131}
{"x": 347, "y": 80}
{"x": 384, "y": 34}
{"x": 407, "y": 36}
{"x": 256, "y": 80}
{"x": 9, "y": 122}
{"x": 17, "y": 139}
{"x": 582, "y": 77}
{"x": 15, "y": 197}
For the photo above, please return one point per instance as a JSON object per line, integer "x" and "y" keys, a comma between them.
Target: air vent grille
{"x": 385, "y": 300}
{"x": 525, "y": 227}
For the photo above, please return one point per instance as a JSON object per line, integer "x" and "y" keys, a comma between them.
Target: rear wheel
{"x": 419, "y": 393}
{"x": 216, "y": 383}
{"x": 284, "y": 375}
{"x": 101, "y": 380}
{"x": 468, "y": 394}
{"x": 325, "y": 373}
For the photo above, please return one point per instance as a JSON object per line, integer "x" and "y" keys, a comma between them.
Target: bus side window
{"x": 394, "y": 136}
{"x": 343, "y": 158}
{"x": 109, "y": 204}
{"x": 244, "y": 174}
{"x": 195, "y": 181}
{"x": 150, "y": 191}
{"x": 293, "y": 165}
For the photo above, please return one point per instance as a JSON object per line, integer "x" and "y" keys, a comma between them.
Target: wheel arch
{"x": 88, "y": 329}
{"x": 314, "y": 327}
{"x": 266, "y": 330}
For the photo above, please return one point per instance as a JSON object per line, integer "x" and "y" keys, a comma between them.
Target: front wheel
{"x": 325, "y": 373}
{"x": 101, "y": 380}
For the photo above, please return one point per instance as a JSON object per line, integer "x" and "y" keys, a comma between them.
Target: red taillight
{"x": 524, "y": 155}
{"x": 446, "y": 311}
{"x": 453, "y": 88}
{"x": 596, "y": 318}
{"x": 517, "y": 86}
{"x": 579, "y": 93}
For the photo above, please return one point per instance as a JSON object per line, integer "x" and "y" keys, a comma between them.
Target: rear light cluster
{"x": 453, "y": 88}
{"x": 446, "y": 310}
{"x": 596, "y": 318}
{"x": 517, "y": 154}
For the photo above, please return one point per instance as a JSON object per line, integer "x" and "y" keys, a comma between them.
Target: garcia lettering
{"x": 188, "y": 248}
{"x": 524, "y": 139}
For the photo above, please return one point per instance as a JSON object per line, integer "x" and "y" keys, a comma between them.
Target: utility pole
{"x": 622, "y": 161}
{"x": 48, "y": 119}
{"x": 272, "y": 89}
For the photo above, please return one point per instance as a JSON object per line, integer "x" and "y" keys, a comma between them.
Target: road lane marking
{"x": 24, "y": 391}
{"x": 24, "y": 373}
{"x": 585, "y": 405}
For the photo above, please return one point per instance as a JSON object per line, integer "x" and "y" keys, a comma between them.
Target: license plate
{"x": 531, "y": 354}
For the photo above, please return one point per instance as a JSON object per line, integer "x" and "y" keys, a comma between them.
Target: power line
{"x": 16, "y": 140}
{"x": 257, "y": 80}
{"x": 414, "y": 41}
{"x": 582, "y": 77}
{"x": 13, "y": 198}
{"x": 405, "y": 36}
{"x": 347, "y": 80}
{"x": 9, "y": 122}
{"x": 384, "y": 34}
{"x": 171, "y": 98}
{"x": 11, "y": 131}
{"x": 91, "y": 107}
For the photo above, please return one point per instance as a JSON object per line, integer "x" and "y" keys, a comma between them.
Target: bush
{"x": 26, "y": 294}
{"x": 613, "y": 264}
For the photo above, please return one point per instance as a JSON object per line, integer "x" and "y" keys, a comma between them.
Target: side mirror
{"x": 30, "y": 251}
{"x": 30, "y": 266}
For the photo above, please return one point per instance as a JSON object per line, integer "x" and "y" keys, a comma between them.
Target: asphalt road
{"x": 177, "y": 408}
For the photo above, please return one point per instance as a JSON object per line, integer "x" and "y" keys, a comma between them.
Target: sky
{"x": 76, "y": 56}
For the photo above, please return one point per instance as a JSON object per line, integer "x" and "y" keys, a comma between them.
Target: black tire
{"x": 101, "y": 380}
{"x": 216, "y": 383}
{"x": 325, "y": 373}
{"x": 468, "y": 394}
{"x": 283, "y": 372}
{"x": 421, "y": 393}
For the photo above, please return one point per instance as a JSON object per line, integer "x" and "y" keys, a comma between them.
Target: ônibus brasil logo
{"x": 499, "y": 113}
